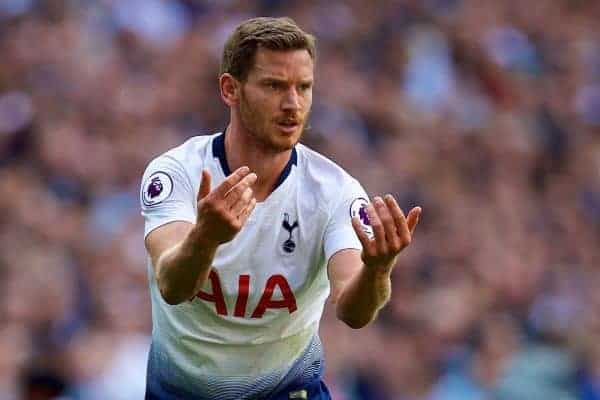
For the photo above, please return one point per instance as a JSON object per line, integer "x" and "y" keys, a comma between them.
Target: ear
{"x": 230, "y": 89}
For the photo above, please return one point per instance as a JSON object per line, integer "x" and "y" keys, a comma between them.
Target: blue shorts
{"x": 315, "y": 390}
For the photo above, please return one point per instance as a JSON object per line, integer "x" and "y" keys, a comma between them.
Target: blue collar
{"x": 218, "y": 149}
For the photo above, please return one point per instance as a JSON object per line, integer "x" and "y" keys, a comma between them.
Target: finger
{"x": 413, "y": 218}
{"x": 362, "y": 235}
{"x": 232, "y": 197}
{"x": 245, "y": 214}
{"x": 204, "y": 189}
{"x": 231, "y": 181}
{"x": 243, "y": 201}
{"x": 378, "y": 229}
{"x": 389, "y": 226}
{"x": 399, "y": 218}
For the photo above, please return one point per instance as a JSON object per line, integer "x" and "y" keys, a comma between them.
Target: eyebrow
{"x": 280, "y": 79}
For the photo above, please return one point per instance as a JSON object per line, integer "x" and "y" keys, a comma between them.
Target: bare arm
{"x": 357, "y": 292}
{"x": 181, "y": 260}
{"x": 360, "y": 282}
{"x": 182, "y": 253}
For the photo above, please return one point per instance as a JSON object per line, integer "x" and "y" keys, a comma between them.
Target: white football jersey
{"x": 254, "y": 324}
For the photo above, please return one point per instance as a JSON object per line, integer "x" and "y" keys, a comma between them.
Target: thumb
{"x": 204, "y": 185}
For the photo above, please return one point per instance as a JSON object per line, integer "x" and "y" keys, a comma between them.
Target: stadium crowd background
{"x": 486, "y": 113}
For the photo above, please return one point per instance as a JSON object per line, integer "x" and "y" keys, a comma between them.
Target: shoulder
{"x": 181, "y": 164}
{"x": 188, "y": 156}
{"x": 193, "y": 150}
{"x": 320, "y": 168}
{"x": 323, "y": 176}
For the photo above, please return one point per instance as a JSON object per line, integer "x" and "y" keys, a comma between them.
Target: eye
{"x": 305, "y": 86}
{"x": 274, "y": 85}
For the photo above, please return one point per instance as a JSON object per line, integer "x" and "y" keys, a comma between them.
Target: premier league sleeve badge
{"x": 358, "y": 208}
{"x": 156, "y": 188}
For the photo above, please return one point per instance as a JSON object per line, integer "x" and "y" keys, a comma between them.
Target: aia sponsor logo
{"x": 288, "y": 300}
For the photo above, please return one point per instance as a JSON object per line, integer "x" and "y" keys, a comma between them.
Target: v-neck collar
{"x": 218, "y": 149}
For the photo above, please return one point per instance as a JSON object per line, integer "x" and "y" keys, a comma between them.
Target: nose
{"x": 291, "y": 100}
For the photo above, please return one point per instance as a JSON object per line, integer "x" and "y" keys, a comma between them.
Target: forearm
{"x": 362, "y": 298}
{"x": 184, "y": 267}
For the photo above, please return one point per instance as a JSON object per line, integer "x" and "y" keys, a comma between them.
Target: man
{"x": 248, "y": 231}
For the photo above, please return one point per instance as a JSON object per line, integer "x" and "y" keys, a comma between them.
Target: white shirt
{"x": 258, "y": 314}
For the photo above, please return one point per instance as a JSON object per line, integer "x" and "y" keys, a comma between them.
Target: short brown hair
{"x": 271, "y": 33}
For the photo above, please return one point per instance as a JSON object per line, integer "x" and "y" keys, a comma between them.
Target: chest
{"x": 272, "y": 261}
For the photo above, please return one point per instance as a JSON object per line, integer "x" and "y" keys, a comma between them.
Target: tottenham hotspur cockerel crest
{"x": 289, "y": 245}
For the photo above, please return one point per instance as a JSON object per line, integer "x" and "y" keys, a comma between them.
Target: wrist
{"x": 378, "y": 271}
{"x": 198, "y": 242}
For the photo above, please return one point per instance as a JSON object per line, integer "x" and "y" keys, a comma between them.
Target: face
{"x": 276, "y": 98}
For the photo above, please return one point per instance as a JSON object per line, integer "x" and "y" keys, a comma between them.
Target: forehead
{"x": 287, "y": 64}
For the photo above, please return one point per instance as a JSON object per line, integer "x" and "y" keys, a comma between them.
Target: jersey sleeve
{"x": 339, "y": 233}
{"x": 166, "y": 194}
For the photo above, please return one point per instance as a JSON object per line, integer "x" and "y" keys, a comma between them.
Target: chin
{"x": 285, "y": 142}
{"x": 282, "y": 146}
{"x": 289, "y": 142}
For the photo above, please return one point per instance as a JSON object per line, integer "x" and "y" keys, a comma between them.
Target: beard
{"x": 264, "y": 130}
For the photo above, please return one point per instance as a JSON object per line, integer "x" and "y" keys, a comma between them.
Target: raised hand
{"x": 392, "y": 232}
{"x": 223, "y": 211}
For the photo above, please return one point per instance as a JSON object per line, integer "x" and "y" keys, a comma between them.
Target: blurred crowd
{"x": 486, "y": 113}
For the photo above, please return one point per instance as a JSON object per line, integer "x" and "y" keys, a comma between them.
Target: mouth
{"x": 288, "y": 126}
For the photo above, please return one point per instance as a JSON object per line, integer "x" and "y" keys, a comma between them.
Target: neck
{"x": 242, "y": 149}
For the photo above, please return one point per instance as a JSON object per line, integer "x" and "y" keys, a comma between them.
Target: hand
{"x": 392, "y": 232}
{"x": 223, "y": 211}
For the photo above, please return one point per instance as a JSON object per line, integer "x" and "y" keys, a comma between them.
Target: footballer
{"x": 248, "y": 232}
